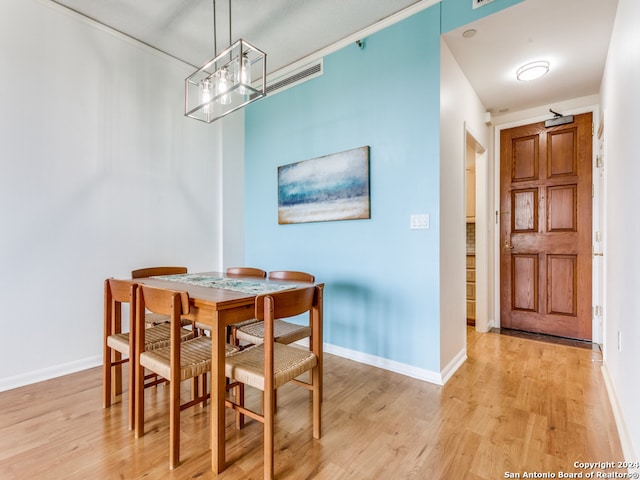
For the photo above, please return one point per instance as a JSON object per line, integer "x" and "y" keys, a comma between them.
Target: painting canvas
{"x": 333, "y": 187}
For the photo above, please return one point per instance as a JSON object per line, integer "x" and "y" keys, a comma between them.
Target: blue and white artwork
{"x": 333, "y": 187}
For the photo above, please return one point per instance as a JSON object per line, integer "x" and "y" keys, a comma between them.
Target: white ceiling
{"x": 287, "y": 30}
{"x": 572, "y": 34}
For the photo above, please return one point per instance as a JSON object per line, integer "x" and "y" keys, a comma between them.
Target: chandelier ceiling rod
{"x": 215, "y": 32}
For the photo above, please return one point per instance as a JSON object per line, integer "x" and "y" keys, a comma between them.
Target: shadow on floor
{"x": 570, "y": 342}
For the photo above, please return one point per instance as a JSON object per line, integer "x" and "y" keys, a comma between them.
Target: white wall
{"x": 460, "y": 109}
{"x": 232, "y": 199}
{"x": 100, "y": 173}
{"x": 621, "y": 104}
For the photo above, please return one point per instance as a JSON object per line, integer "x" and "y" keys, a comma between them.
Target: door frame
{"x": 597, "y": 321}
{"x": 483, "y": 216}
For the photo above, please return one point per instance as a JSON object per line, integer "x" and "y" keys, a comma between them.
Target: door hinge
{"x": 593, "y": 190}
{"x": 599, "y": 161}
{"x": 597, "y": 311}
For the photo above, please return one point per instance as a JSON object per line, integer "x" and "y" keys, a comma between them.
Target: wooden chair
{"x": 242, "y": 272}
{"x": 154, "y": 318}
{"x": 117, "y": 344}
{"x": 270, "y": 365}
{"x": 284, "y": 332}
{"x": 181, "y": 360}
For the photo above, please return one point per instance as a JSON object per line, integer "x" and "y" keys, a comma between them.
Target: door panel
{"x": 562, "y": 284}
{"x": 563, "y": 211}
{"x": 525, "y": 283}
{"x": 545, "y": 200}
{"x": 525, "y": 213}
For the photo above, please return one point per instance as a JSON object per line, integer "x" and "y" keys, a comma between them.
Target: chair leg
{"x": 117, "y": 377}
{"x": 268, "y": 411}
{"x": 204, "y": 387}
{"x": 138, "y": 400}
{"x": 174, "y": 425}
{"x": 132, "y": 397}
{"x": 106, "y": 378}
{"x": 317, "y": 402}
{"x": 239, "y": 398}
{"x": 195, "y": 388}
{"x": 275, "y": 402}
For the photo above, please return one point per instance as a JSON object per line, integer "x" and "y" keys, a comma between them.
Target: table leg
{"x": 217, "y": 410}
{"x": 318, "y": 338}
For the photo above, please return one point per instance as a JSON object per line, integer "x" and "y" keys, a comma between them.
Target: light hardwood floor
{"x": 516, "y": 405}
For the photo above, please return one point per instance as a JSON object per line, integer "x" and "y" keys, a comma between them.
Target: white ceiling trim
{"x": 70, "y": 12}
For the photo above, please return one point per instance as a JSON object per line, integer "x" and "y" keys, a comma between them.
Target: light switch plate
{"x": 419, "y": 221}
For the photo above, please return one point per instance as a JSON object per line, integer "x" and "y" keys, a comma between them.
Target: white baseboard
{"x": 454, "y": 365}
{"x": 623, "y": 432}
{"x": 28, "y": 378}
{"x": 398, "y": 367}
{"x": 438, "y": 378}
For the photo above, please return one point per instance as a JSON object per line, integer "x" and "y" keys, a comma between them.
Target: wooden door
{"x": 545, "y": 231}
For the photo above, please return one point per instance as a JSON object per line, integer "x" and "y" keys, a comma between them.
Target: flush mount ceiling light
{"x": 532, "y": 70}
{"x": 224, "y": 84}
{"x": 470, "y": 33}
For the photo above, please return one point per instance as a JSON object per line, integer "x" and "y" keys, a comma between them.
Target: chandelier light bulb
{"x": 222, "y": 86}
{"x": 243, "y": 74}
{"x": 206, "y": 94}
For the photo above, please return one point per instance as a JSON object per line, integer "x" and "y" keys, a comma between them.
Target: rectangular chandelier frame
{"x": 239, "y": 93}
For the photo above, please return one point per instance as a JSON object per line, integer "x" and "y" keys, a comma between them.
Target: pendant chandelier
{"x": 235, "y": 77}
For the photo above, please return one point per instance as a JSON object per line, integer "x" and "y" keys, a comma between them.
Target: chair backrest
{"x": 117, "y": 292}
{"x": 291, "y": 276}
{"x": 284, "y": 304}
{"x": 155, "y": 271}
{"x": 246, "y": 272}
{"x": 163, "y": 301}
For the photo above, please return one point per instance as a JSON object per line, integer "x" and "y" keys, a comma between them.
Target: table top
{"x": 217, "y": 298}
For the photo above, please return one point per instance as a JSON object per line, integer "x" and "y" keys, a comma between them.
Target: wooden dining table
{"x": 218, "y": 308}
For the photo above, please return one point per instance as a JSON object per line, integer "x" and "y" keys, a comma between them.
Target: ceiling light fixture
{"x": 224, "y": 84}
{"x": 532, "y": 70}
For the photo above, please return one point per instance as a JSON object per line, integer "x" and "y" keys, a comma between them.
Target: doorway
{"x": 477, "y": 239}
{"x": 545, "y": 228}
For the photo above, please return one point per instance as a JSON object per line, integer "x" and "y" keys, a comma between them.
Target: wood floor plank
{"x": 516, "y": 405}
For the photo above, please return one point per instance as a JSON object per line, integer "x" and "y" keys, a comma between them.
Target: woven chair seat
{"x": 151, "y": 318}
{"x": 244, "y": 323}
{"x": 155, "y": 337}
{"x": 247, "y": 366}
{"x": 156, "y": 318}
{"x": 195, "y": 358}
{"x": 283, "y": 332}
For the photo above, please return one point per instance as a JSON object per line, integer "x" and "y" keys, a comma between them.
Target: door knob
{"x": 507, "y": 246}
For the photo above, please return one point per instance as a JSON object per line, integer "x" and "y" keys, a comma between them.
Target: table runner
{"x": 225, "y": 283}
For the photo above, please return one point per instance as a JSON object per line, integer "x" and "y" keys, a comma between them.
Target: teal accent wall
{"x": 382, "y": 278}
{"x": 456, "y": 13}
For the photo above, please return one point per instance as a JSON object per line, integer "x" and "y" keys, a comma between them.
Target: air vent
{"x": 479, "y": 3}
{"x": 294, "y": 77}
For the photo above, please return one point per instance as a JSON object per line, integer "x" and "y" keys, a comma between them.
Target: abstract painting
{"x": 333, "y": 187}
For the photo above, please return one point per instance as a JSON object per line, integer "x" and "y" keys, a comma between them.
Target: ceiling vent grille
{"x": 294, "y": 77}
